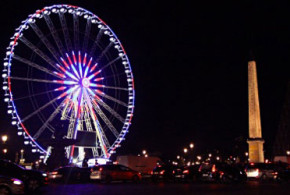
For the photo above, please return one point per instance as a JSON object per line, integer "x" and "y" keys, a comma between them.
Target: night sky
{"x": 189, "y": 62}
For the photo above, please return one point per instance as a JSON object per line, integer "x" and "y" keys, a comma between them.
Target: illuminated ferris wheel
{"x": 64, "y": 65}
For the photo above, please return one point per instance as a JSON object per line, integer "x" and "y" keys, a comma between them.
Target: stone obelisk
{"x": 255, "y": 141}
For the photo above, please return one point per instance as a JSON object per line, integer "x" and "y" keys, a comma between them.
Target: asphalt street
{"x": 165, "y": 188}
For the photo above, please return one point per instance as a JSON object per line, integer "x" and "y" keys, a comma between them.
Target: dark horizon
{"x": 190, "y": 69}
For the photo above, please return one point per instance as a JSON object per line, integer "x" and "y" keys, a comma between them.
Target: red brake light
{"x": 101, "y": 169}
{"x": 185, "y": 172}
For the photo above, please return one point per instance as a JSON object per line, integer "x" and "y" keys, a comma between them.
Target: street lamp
{"x": 5, "y": 151}
{"x": 4, "y": 138}
{"x": 246, "y": 154}
{"x": 185, "y": 150}
{"x": 198, "y": 157}
{"x": 288, "y": 152}
{"x": 191, "y": 145}
{"x": 178, "y": 157}
{"x": 209, "y": 155}
{"x": 144, "y": 152}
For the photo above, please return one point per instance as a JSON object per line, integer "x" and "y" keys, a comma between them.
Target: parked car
{"x": 283, "y": 172}
{"x": 262, "y": 171}
{"x": 108, "y": 173}
{"x": 167, "y": 172}
{"x": 221, "y": 172}
{"x": 69, "y": 174}
{"x": 32, "y": 179}
{"x": 191, "y": 173}
{"x": 10, "y": 185}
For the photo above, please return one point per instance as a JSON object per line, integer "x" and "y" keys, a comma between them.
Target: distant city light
{"x": 146, "y": 155}
{"x": 144, "y": 152}
{"x": 185, "y": 150}
{"x": 5, "y": 151}
{"x": 246, "y": 154}
{"x": 217, "y": 158}
{"x": 199, "y": 157}
{"x": 288, "y": 152}
{"x": 209, "y": 155}
{"x": 178, "y": 157}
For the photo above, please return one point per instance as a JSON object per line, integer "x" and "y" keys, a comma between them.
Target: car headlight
{"x": 44, "y": 174}
{"x": 17, "y": 181}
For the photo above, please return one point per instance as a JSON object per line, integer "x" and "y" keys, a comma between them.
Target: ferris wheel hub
{"x": 85, "y": 82}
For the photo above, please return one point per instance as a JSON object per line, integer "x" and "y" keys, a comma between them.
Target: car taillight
{"x": 173, "y": 172}
{"x": 213, "y": 169}
{"x": 275, "y": 173}
{"x": 54, "y": 173}
{"x": 162, "y": 172}
{"x": 151, "y": 172}
{"x": 100, "y": 169}
{"x": 185, "y": 172}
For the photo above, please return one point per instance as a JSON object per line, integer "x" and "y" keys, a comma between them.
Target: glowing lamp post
{"x": 185, "y": 150}
{"x": 191, "y": 145}
{"x": 4, "y": 138}
{"x": 288, "y": 152}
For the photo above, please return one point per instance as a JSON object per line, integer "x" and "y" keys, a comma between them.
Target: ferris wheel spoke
{"x": 100, "y": 93}
{"x": 106, "y": 120}
{"x": 45, "y": 81}
{"x": 46, "y": 42}
{"x": 50, "y": 118}
{"x": 98, "y": 37}
{"x": 38, "y": 52}
{"x": 33, "y": 80}
{"x": 49, "y": 103}
{"x": 104, "y": 51}
{"x": 108, "y": 108}
{"x": 76, "y": 31}
{"x": 111, "y": 62}
{"x": 65, "y": 31}
{"x": 116, "y": 88}
{"x": 54, "y": 33}
{"x": 42, "y": 93}
{"x": 87, "y": 33}
{"x": 34, "y": 65}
